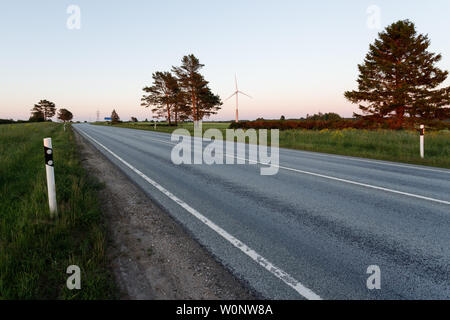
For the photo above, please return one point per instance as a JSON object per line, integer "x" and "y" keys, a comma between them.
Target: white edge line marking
{"x": 334, "y": 178}
{"x": 277, "y": 272}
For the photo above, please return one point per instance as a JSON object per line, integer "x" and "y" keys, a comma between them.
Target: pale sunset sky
{"x": 292, "y": 57}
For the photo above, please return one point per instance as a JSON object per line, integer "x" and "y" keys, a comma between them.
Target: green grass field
{"x": 36, "y": 250}
{"x": 399, "y": 146}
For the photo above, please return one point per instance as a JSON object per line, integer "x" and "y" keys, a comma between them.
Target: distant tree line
{"x": 330, "y": 116}
{"x": 181, "y": 94}
{"x": 10, "y": 121}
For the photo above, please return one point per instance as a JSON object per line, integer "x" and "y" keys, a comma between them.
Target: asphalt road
{"x": 312, "y": 230}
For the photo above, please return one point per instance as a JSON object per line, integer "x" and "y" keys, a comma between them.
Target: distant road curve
{"x": 312, "y": 230}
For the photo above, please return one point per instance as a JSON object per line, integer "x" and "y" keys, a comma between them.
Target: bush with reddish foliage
{"x": 367, "y": 124}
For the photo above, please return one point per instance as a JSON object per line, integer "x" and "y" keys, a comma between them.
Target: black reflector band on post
{"x": 48, "y": 156}
{"x": 422, "y": 132}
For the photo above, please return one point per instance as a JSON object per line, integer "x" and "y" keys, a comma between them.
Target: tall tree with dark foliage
{"x": 65, "y": 115}
{"x": 195, "y": 88}
{"x": 165, "y": 96}
{"x": 115, "y": 117}
{"x": 399, "y": 77}
{"x": 44, "y": 109}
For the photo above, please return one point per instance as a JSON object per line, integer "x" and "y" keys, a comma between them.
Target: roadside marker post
{"x": 422, "y": 141}
{"x": 49, "y": 167}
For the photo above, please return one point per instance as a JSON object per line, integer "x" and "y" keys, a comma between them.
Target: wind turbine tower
{"x": 236, "y": 93}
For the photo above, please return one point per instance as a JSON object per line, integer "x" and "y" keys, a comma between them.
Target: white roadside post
{"x": 49, "y": 166}
{"x": 422, "y": 141}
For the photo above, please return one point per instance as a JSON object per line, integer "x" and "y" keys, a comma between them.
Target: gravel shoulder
{"x": 151, "y": 255}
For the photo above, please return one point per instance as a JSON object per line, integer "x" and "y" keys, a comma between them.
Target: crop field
{"x": 35, "y": 250}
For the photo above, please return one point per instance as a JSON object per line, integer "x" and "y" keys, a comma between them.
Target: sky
{"x": 293, "y": 57}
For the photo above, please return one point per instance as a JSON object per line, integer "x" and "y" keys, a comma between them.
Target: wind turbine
{"x": 236, "y": 93}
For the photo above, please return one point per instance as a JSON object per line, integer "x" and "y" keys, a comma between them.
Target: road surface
{"x": 312, "y": 230}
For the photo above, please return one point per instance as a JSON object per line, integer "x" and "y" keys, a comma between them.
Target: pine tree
{"x": 65, "y": 115}
{"x": 45, "y": 108}
{"x": 165, "y": 96}
{"x": 181, "y": 108}
{"x": 195, "y": 88}
{"x": 399, "y": 77}
{"x": 115, "y": 117}
{"x": 208, "y": 103}
{"x": 37, "y": 116}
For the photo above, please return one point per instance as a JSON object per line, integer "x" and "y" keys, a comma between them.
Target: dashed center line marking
{"x": 335, "y": 178}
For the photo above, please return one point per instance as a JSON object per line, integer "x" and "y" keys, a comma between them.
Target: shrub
{"x": 336, "y": 124}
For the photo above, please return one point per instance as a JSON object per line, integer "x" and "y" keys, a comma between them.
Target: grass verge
{"x": 35, "y": 250}
{"x": 391, "y": 145}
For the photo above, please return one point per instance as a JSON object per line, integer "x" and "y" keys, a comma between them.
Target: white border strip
{"x": 277, "y": 272}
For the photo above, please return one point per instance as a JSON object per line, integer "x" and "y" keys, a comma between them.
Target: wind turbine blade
{"x": 231, "y": 96}
{"x": 245, "y": 94}
{"x": 235, "y": 81}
